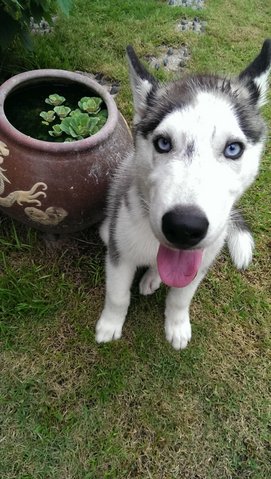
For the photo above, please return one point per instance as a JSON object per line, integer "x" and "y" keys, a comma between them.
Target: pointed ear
{"x": 256, "y": 74}
{"x": 142, "y": 83}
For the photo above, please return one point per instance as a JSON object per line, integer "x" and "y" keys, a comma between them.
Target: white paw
{"x": 178, "y": 335}
{"x": 150, "y": 282}
{"x": 107, "y": 330}
{"x": 241, "y": 246}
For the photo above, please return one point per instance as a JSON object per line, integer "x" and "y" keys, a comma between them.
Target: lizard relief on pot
{"x": 51, "y": 216}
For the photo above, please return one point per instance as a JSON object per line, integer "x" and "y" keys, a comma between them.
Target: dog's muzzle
{"x": 184, "y": 226}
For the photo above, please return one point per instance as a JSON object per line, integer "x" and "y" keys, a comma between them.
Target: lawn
{"x": 136, "y": 408}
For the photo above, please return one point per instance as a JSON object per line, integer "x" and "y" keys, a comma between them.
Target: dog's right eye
{"x": 162, "y": 144}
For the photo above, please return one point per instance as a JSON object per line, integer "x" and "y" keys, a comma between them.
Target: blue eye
{"x": 233, "y": 150}
{"x": 162, "y": 144}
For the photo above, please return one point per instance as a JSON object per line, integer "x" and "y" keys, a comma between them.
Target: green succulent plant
{"x": 56, "y": 131}
{"x": 90, "y": 104}
{"x": 102, "y": 118}
{"x": 62, "y": 111}
{"x": 75, "y": 124}
{"x": 74, "y": 112}
{"x": 55, "y": 99}
{"x": 48, "y": 116}
{"x": 98, "y": 122}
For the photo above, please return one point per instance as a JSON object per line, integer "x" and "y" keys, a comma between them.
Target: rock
{"x": 197, "y": 28}
{"x": 172, "y": 59}
{"x": 195, "y": 4}
{"x": 42, "y": 27}
{"x": 98, "y": 77}
{"x": 114, "y": 89}
{"x": 196, "y": 25}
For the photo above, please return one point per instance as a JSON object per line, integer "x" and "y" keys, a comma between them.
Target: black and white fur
{"x": 198, "y": 116}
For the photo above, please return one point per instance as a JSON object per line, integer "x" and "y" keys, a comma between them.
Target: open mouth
{"x": 178, "y": 268}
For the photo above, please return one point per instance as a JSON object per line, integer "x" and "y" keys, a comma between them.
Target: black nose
{"x": 184, "y": 226}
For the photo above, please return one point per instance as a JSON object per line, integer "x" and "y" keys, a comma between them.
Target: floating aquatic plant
{"x": 55, "y": 99}
{"x": 74, "y": 124}
{"x": 48, "y": 117}
{"x": 77, "y": 126}
{"x": 62, "y": 111}
{"x": 90, "y": 104}
{"x": 56, "y": 131}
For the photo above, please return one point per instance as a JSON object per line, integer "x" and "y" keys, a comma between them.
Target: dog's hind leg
{"x": 240, "y": 241}
{"x": 150, "y": 281}
{"x": 118, "y": 283}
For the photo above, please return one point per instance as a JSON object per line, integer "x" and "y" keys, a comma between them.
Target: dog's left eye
{"x": 233, "y": 150}
{"x": 162, "y": 144}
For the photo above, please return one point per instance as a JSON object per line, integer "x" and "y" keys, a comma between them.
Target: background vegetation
{"x": 16, "y": 17}
{"x": 72, "y": 409}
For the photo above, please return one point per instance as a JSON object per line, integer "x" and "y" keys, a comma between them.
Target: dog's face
{"x": 198, "y": 146}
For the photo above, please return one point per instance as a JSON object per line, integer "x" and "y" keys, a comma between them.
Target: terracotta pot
{"x": 58, "y": 187}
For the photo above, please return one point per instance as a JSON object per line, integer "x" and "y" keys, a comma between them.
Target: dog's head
{"x": 198, "y": 146}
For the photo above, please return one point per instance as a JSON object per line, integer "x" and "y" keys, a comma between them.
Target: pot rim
{"x": 22, "y": 79}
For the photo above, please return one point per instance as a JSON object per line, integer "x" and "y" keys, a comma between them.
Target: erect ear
{"x": 257, "y": 73}
{"x": 142, "y": 83}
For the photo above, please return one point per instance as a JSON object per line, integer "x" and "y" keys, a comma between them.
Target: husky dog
{"x": 198, "y": 143}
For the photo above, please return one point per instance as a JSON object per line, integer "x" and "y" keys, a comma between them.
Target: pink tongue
{"x": 178, "y": 268}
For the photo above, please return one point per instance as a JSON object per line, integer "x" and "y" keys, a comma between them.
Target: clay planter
{"x": 58, "y": 187}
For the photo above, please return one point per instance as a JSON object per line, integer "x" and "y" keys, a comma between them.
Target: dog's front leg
{"x": 118, "y": 283}
{"x": 177, "y": 322}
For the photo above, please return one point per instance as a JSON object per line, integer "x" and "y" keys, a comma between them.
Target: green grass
{"x": 72, "y": 409}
